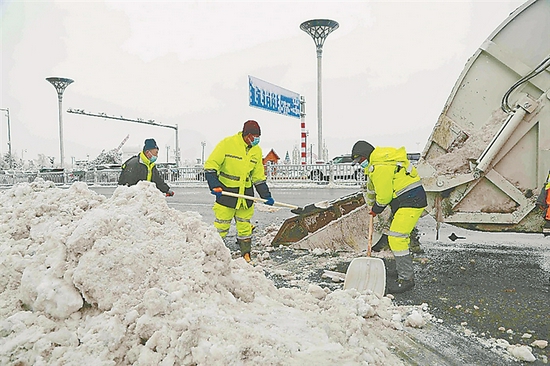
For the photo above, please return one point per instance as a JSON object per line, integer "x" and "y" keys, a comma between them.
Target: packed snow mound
{"x": 128, "y": 280}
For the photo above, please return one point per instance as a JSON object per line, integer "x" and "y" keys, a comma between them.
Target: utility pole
{"x": 319, "y": 29}
{"x": 60, "y": 84}
{"x": 7, "y": 110}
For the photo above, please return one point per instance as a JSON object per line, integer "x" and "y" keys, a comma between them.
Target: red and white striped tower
{"x": 303, "y": 127}
{"x": 304, "y": 147}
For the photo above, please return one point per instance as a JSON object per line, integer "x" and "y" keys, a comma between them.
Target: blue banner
{"x": 273, "y": 98}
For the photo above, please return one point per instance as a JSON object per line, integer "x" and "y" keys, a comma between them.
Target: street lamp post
{"x": 319, "y": 29}
{"x": 60, "y": 84}
{"x": 203, "y": 144}
{"x": 7, "y": 110}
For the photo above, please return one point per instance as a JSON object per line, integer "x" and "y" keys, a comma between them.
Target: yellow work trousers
{"x": 224, "y": 216}
{"x": 403, "y": 223}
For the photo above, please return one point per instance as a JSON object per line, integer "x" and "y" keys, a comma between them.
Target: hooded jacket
{"x": 393, "y": 180}
{"x": 237, "y": 167}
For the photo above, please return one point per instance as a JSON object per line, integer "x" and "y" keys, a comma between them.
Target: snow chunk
{"x": 540, "y": 344}
{"x": 415, "y": 320}
{"x": 522, "y": 353}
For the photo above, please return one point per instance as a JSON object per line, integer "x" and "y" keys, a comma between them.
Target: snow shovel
{"x": 366, "y": 273}
{"x": 312, "y": 208}
{"x": 316, "y": 207}
{"x": 258, "y": 199}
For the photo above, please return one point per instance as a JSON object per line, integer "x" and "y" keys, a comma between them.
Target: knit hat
{"x": 361, "y": 150}
{"x": 252, "y": 127}
{"x": 150, "y": 144}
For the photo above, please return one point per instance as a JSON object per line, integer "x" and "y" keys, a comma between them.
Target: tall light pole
{"x": 7, "y": 110}
{"x": 203, "y": 144}
{"x": 319, "y": 29}
{"x": 60, "y": 84}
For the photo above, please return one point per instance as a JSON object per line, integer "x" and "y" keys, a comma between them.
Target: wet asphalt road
{"x": 472, "y": 288}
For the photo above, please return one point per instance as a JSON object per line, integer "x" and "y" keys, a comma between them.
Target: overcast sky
{"x": 387, "y": 71}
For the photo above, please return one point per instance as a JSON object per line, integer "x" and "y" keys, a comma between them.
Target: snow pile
{"x": 128, "y": 280}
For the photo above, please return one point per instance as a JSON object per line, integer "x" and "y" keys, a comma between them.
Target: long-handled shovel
{"x": 314, "y": 207}
{"x": 367, "y": 273}
{"x": 317, "y": 207}
{"x": 258, "y": 199}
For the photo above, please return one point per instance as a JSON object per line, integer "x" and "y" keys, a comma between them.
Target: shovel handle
{"x": 371, "y": 229}
{"x": 257, "y": 199}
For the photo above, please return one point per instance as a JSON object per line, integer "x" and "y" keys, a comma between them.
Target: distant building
{"x": 287, "y": 158}
{"x": 271, "y": 157}
{"x": 295, "y": 155}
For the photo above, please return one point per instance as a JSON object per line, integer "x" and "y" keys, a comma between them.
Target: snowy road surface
{"x": 489, "y": 291}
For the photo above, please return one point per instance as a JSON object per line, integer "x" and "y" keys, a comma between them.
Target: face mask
{"x": 152, "y": 159}
{"x": 255, "y": 142}
{"x": 365, "y": 164}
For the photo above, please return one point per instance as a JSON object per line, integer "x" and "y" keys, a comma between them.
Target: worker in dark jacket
{"x": 142, "y": 167}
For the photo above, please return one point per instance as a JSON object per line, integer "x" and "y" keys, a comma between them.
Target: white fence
{"x": 310, "y": 173}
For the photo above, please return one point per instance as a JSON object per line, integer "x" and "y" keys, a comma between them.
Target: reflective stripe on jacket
{"x": 238, "y": 168}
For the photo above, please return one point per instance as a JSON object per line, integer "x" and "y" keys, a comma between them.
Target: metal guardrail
{"x": 309, "y": 173}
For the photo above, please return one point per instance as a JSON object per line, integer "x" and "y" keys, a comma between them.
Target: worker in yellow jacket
{"x": 393, "y": 181}
{"x": 235, "y": 165}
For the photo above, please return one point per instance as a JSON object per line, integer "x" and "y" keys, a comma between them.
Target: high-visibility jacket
{"x": 140, "y": 168}
{"x": 543, "y": 200}
{"x": 393, "y": 180}
{"x": 238, "y": 167}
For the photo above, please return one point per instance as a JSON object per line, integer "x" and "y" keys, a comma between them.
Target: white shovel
{"x": 366, "y": 273}
{"x": 257, "y": 199}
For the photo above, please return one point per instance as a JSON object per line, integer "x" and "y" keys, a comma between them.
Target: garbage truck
{"x": 489, "y": 152}
{"x": 488, "y": 155}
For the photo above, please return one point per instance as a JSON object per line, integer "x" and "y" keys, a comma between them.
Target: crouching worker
{"x": 142, "y": 167}
{"x": 235, "y": 165}
{"x": 392, "y": 180}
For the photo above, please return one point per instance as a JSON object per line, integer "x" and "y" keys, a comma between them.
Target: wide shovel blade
{"x": 366, "y": 273}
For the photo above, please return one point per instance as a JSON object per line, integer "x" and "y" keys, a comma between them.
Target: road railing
{"x": 345, "y": 174}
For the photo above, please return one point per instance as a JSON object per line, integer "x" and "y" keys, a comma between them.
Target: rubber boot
{"x": 245, "y": 245}
{"x": 546, "y": 228}
{"x": 405, "y": 275}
